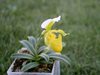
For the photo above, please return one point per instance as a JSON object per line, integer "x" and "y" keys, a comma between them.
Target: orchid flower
{"x": 52, "y": 37}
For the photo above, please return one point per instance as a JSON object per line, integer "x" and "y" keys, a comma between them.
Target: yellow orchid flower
{"x": 53, "y": 38}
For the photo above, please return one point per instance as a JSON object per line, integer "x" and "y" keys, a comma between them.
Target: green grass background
{"x": 81, "y": 18}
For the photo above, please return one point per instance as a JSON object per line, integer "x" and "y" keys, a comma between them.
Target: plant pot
{"x": 55, "y": 70}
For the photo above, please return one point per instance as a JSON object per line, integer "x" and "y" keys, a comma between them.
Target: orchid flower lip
{"x": 46, "y": 22}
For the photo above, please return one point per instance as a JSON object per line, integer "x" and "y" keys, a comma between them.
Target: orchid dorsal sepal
{"x": 62, "y": 32}
{"x": 47, "y": 24}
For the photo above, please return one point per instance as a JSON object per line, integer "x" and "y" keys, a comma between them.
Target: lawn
{"x": 81, "y": 18}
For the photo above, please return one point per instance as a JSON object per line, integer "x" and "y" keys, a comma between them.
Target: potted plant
{"x": 36, "y": 59}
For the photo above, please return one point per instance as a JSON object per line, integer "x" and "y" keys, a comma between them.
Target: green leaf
{"x": 29, "y": 46}
{"x": 41, "y": 49}
{"x": 32, "y": 40}
{"x": 44, "y": 56}
{"x": 22, "y": 56}
{"x": 60, "y": 57}
{"x": 29, "y": 66}
{"x": 50, "y": 52}
{"x": 45, "y": 49}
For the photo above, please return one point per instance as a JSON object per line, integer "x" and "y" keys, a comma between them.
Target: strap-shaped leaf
{"x": 32, "y": 40}
{"x": 41, "y": 49}
{"x": 22, "y": 56}
{"x": 60, "y": 57}
{"x": 29, "y": 46}
{"x": 44, "y": 56}
{"x": 45, "y": 49}
{"x": 50, "y": 51}
{"x": 29, "y": 66}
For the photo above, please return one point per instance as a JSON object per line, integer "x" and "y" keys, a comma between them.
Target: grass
{"x": 81, "y": 18}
